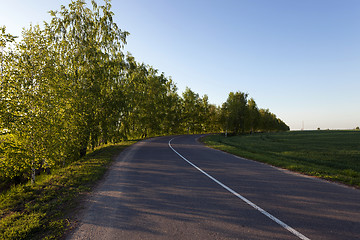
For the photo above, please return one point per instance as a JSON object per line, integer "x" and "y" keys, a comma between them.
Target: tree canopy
{"x": 67, "y": 87}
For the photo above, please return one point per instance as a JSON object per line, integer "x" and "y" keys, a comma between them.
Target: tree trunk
{"x": 33, "y": 173}
{"x": 83, "y": 152}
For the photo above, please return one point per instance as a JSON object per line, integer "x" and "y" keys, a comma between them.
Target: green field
{"x": 332, "y": 155}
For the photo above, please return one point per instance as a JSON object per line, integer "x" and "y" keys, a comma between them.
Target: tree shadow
{"x": 152, "y": 193}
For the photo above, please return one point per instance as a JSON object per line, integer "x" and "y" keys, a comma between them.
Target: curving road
{"x": 176, "y": 188}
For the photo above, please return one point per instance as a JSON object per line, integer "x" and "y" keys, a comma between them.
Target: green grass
{"x": 41, "y": 211}
{"x": 331, "y": 155}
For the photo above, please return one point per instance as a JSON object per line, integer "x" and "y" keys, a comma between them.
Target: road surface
{"x": 176, "y": 188}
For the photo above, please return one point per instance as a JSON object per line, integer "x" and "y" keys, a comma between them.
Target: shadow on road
{"x": 152, "y": 193}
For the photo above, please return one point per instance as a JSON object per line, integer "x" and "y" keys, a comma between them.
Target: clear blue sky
{"x": 299, "y": 58}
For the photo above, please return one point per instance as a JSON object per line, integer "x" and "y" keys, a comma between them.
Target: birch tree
{"x": 90, "y": 44}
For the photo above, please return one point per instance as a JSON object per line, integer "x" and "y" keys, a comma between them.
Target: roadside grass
{"x": 331, "y": 155}
{"x": 40, "y": 211}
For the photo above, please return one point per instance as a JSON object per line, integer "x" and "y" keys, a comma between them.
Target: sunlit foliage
{"x": 68, "y": 87}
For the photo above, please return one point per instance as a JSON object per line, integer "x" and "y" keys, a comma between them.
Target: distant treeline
{"x": 68, "y": 87}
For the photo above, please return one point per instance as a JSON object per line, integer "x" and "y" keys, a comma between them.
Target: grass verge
{"x": 331, "y": 155}
{"x": 39, "y": 211}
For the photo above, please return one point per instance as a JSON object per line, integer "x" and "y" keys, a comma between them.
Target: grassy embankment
{"x": 41, "y": 211}
{"x": 331, "y": 155}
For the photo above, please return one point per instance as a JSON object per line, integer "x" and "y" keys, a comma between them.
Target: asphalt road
{"x": 151, "y": 192}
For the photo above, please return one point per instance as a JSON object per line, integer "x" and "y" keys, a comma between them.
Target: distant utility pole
{"x": 302, "y": 127}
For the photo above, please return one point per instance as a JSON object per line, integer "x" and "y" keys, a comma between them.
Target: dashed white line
{"x": 278, "y": 221}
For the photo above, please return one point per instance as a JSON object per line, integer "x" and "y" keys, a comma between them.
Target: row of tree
{"x": 240, "y": 114}
{"x": 68, "y": 87}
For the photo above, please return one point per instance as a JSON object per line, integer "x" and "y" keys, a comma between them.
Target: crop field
{"x": 331, "y": 155}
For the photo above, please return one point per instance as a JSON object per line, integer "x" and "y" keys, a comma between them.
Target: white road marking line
{"x": 278, "y": 221}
